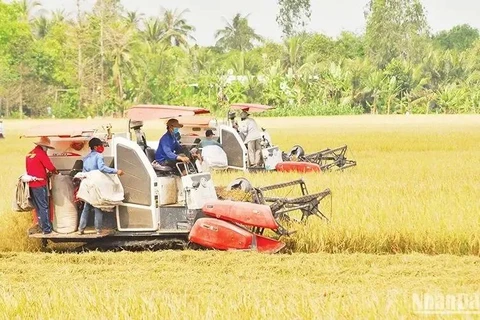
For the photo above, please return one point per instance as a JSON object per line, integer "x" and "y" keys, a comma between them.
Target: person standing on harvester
{"x": 253, "y": 138}
{"x": 37, "y": 164}
{"x": 94, "y": 161}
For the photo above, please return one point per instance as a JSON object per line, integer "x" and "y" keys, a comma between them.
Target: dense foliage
{"x": 103, "y": 61}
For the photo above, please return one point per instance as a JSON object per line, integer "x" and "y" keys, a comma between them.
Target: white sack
{"x": 65, "y": 219}
{"x": 215, "y": 157}
{"x": 101, "y": 190}
{"x": 21, "y": 201}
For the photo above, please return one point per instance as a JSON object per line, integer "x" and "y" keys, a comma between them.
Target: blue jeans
{"x": 84, "y": 217}
{"x": 40, "y": 201}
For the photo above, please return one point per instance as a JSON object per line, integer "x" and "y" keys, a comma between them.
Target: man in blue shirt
{"x": 168, "y": 151}
{"x": 94, "y": 161}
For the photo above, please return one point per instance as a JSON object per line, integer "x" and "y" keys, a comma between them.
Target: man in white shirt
{"x": 252, "y": 138}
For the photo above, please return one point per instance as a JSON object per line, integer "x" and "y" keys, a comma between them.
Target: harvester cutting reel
{"x": 282, "y": 207}
{"x": 327, "y": 159}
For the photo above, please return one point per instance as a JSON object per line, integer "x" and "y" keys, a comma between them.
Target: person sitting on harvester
{"x": 169, "y": 149}
{"x": 212, "y": 154}
{"x": 94, "y": 161}
{"x": 209, "y": 141}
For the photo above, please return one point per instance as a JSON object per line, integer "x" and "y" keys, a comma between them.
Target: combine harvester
{"x": 296, "y": 160}
{"x": 273, "y": 158}
{"x": 159, "y": 208}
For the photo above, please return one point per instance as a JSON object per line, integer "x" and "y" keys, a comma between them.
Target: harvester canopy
{"x": 251, "y": 107}
{"x": 150, "y": 112}
{"x": 61, "y": 130}
{"x": 200, "y": 121}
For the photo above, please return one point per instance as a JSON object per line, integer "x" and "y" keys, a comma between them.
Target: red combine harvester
{"x": 296, "y": 160}
{"x": 273, "y": 158}
{"x": 161, "y": 209}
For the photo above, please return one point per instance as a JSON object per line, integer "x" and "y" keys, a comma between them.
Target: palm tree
{"x": 59, "y": 15}
{"x": 176, "y": 29}
{"x": 292, "y": 55}
{"x": 41, "y": 27}
{"x": 153, "y": 33}
{"x": 203, "y": 59}
{"x": 237, "y": 35}
{"x": 133, "y": 17}
{"x": 26, "y": 8}
{"x": 119, "y": 40}
{"x": 374, "y": 84}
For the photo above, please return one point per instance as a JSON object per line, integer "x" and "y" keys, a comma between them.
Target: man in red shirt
{"x": 37, "y": 164}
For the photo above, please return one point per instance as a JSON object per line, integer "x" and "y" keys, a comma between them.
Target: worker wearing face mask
{"x": 94, "y": 161}
{"x": 176, "y": 134}
{"x": 169, "y": 149}
{"x": 37, "y": 164}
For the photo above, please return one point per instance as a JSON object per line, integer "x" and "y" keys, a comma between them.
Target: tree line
{"x": 101, "y": 62}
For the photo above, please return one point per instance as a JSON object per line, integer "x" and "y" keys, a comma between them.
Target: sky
{"x": 329, "y": 17}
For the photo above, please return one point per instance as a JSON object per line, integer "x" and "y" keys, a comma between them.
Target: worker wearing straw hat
{"x": 37, "y": 164}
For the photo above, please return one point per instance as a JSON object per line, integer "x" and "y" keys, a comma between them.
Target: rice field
{"x": 404, "y": 221}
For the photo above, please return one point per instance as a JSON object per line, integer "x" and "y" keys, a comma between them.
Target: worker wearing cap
{"x": 231, "y": 119}
{"x": 94, "y": 161}
{"x": 209, "y": 141}
{"x": 37, "y": 165}
{"x": 212, "y": 155}
{"x": 253, "y": 138}
{"x": 139, "y": 134}
{"x": 168, "y": 151}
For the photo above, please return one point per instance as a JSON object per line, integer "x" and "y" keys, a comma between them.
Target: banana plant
{"x": 450, "y": 98}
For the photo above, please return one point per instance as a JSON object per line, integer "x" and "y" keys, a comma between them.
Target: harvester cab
{"x": 167, "y": 201}
{"x": 159, "y": 202}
